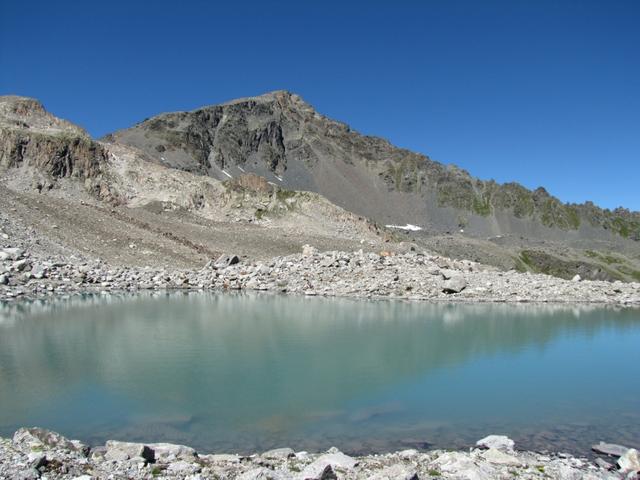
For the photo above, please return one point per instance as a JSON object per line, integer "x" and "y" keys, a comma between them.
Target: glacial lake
{"x": 246, "y": 373}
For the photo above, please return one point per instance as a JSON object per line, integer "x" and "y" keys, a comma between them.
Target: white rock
{"x": 498, "y": 457}
{"x": 168, "y": 452}
{"x": 337, "y": 460}
{"x": 317, "y": 471}
{"x": 395, "y": 472}
{"x": 576, "y": 278}
{"x": 500, "y": 442}
{"x": 279, "y": 453}
{"x": 463, "y": 467}
{"x": 221, "y": 458}
{"x": 630, "y": 461}
{"x": 309, "y": 251}
{"x": 183, "y": 468}
{"x": 262, "y": 473}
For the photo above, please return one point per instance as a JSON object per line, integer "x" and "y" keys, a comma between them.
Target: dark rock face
{"x": 279, "y": 136}
{"x": 55, "y": 155}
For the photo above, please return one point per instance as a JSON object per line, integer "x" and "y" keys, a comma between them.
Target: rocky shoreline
{"x": 403, "y": 275}
{"x": 35, "y": 453}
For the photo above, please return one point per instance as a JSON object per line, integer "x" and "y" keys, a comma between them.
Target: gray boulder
{"x": 34, "y": 438}
{"x": 123, "y": 451}
{"x": 455, "y": 284}
{"x": 318, "y": 471}
{"x": 224, "y": 261}
{"x": 11, "y": 253}
{"x": 168, "y": 452}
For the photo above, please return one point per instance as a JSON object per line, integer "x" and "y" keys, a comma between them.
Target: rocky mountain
{"x": 63, "y": 192}
{"x": 266, "y": 174}
{"x": 281, "y": 137}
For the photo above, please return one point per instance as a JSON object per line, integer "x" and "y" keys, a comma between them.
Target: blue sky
{"x": 540, "y": 92}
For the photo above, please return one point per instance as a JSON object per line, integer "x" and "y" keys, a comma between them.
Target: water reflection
{"x": 248, "y": 372}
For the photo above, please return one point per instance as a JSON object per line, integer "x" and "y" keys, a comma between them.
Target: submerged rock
{"x": 611, "y": 449}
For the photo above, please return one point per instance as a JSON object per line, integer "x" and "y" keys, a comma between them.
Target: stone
{"x": 12, "y": 253}
{"x": 337, "y": 459}
{"x": 317, "y": 471}
{"x": 168, "y": 452}
{"x": 37, "y": 460}
{"x": 461, "y": 466}
{"x": 610, "y": 449}
{"x": 498, "y": 457}
{"x": 309, "y": 251}
{"x": 395, "y": 472}
{"x": 408, "y": 454}
{"x": 221, "y": 458}
{"x": 34, "y": 438}
{"x": 28, "y": 474}
{"x": 279, "y": 453}
{"x": 576, "y": 278}
{"x": 4, "y": 280}
{"x": 20, "y": 265}
{"x": 630, "y": 461}
{"x": 455, "y": 284}
{"x": 225, "y": 261}
{"x": 123, "y": 451}
{"x": 261, "y": 473}
{"x": 603, "y": 464}
{"x": 499, "y": 442}
{"x": 183, "y": 468}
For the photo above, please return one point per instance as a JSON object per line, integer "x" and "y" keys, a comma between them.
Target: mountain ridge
{"x": 276, "y": 164}
{"x": 275, "y": 124}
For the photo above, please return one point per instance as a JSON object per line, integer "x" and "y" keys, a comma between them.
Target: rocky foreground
{"x": 410, "y": 275}
{"x": 37, "y": 453}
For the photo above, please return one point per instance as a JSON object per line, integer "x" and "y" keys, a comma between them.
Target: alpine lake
{"x": 249, "y": 372}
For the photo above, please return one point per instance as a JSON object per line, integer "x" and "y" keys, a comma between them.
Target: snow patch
{"x": 227, "y": 174}
{"x": 278, "y": 177}
{"x": 408, "y": 226}
{"x": 240, "y": 168}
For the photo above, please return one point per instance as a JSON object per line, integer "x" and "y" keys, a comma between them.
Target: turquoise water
{"x": 252, "y": 372}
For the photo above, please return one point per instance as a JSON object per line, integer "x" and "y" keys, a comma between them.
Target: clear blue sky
{"x": 540, "y": 92}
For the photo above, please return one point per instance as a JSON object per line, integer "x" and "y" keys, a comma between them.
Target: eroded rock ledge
{"x": 35, "y": 453}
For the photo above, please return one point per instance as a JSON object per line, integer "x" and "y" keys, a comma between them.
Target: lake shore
{"x": 37, "y": 453}
{"x": 410, "y": 275}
